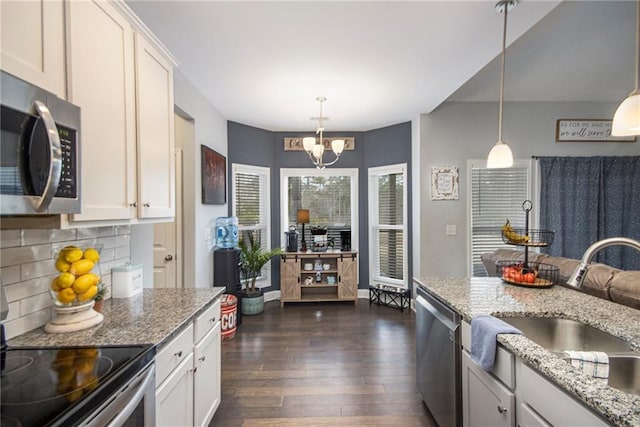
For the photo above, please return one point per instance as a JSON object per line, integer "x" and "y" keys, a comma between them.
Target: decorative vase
{"x": 98, "y": 305}
{"x": 252, "y": 305}
{"x": 73, "y": 288}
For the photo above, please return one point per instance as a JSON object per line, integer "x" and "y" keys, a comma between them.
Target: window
{"x": 252, "y": 206}
{"x": 331, "y": 195}
{"x": 496, "y": 195}
{"x": 388, "y": 224}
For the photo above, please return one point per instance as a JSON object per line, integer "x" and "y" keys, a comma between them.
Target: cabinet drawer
{"x": 207, "y": 320}
{"x": 174, "y": 352}
{"x": 504, "y": 365}
{"x": 557, "y": 407}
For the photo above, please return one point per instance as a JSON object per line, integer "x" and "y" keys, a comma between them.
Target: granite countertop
{"x": 148, "y": 318}
{"x": 471, "y": 297}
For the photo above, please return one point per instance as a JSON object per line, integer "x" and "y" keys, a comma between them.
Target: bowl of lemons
{"x": 77, "y": 275}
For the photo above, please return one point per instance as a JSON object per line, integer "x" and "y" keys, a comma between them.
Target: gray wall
{"x": 456, "y": 132}
{"x": 389, "y": 145}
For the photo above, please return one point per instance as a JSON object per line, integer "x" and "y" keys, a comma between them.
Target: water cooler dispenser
{"x": 226, "y": 259}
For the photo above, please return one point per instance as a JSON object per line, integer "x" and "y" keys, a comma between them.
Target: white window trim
{"x": 265, "y": 280}
{"x": 533, "y": 194}
{"x": 373, "y": 226}
{"x": 285, "y": 173}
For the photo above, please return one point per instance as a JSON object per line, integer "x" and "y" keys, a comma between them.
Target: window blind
{"x": 496, "y": 195}
{"x": 388, "y": 217}
{"x": 252, "y": 205}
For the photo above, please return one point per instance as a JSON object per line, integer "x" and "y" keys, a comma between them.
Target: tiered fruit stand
{"x": 524, "y": 272}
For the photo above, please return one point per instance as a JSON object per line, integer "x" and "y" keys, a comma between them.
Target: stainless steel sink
{"x": 624, "y": 373}
{"x": 557, "y": 335}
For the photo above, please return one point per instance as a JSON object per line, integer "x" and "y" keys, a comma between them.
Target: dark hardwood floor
{"x": 322, "y": 364}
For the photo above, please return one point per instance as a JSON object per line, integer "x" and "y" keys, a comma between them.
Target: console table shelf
{"x": 300, "y": 284}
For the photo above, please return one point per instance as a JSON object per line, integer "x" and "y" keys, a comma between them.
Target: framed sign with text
{"x": 587, "y": 130}
{"x": 444, "y": 183}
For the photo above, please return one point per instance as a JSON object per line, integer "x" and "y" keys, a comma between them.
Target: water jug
{"x": 227, "y": 232}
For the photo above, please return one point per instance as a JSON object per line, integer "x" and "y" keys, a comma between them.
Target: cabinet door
{"x": 485, "y": 401}
{"x": 101, "y": 82}
{"x": 348, "y": 278}
{"x": 207, "y": 392}
{"x": 289, "y": 279}
{"x": 155, "y": 137}
{"x": 33, "y": 42}
{"x": 174, "y": 397}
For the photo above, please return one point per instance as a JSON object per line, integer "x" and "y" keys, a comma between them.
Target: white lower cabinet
{"x": 485, "y": 400}
{"x": 174, "y": 397}
{"x": 207, "y": 377}
{"x": 514, "y": 394}
{"x": 188, "y": 373}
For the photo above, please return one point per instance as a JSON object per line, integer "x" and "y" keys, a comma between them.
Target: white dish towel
{"x": 594, "y": 363}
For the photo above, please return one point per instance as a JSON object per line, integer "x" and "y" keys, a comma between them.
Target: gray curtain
{"x": 586, "y": 199}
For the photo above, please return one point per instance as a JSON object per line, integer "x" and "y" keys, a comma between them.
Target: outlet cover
{"x": 451, "y": 230}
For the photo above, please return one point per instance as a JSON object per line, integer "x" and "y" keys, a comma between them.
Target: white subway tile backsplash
{"x": 26, "y": 323}
{"x": 20, "y": 255}
{"x": 10, "y": 274}
{"x": 36, "y": 237}
{"x": 27, "y": 288}
{"x": 36, "y": 269}
{"x": 10, "y": 238}
{"x": 27, "y": 268}
{"x": 35, "y": 303}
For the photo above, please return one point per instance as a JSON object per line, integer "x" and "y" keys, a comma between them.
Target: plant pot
{"x": 98, "y": 305}
{"x": 252, "y": 305}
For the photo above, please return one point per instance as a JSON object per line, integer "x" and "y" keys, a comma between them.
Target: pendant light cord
{"x": 504, "y": 46}
{"x": 637, "y": 76}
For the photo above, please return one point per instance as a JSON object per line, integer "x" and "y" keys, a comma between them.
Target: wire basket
{"x": 522, "y": 237}
{"x": 531, "y": 275}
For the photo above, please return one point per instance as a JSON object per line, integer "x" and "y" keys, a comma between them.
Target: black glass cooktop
{"x": 61, "y": 386}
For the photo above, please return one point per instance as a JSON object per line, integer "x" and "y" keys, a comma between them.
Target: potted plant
{"x": 99, "y": 298}
{"x": 252, "y": 259}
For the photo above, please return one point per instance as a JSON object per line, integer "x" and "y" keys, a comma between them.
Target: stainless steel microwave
{"x": 39, "y": 151}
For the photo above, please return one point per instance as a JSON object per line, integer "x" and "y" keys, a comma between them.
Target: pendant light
{"x": 500, "y": 155}
{"x": 315, "y": 147}
{"x": 626, "y": 120}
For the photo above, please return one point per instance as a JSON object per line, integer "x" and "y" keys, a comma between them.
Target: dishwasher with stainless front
{"x": 438, "y": 359}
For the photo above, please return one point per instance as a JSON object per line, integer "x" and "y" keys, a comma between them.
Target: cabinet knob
{"x": 193, "y": 370}
{"x": 178, "y": 354}
{"x": 168, "y": 258}
{"x": 203, "y": 358}
{"x": 134, "y": 204}
{"x": 147, "y": 205}
{"x": 212, "y": 320}
{"x": 502, "y": 409}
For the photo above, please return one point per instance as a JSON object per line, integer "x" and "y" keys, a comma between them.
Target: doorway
{"x": 168, "y": 252}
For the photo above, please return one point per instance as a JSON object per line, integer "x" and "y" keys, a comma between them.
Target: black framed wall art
{"x": 214, "y": 176}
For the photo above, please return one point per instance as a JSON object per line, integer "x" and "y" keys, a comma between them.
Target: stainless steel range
{"x": 87, "y": 386}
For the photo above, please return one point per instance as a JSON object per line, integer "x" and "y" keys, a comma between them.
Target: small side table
{"x": 390, "y": 296}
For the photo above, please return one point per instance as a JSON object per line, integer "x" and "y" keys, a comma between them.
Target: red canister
{"x": 228, "y": 316}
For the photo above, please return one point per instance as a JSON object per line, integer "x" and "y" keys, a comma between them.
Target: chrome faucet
{"x": 577, "y": 277}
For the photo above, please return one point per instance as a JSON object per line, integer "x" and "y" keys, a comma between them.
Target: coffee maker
{"x": 345, "y": 240}
{"x": 292, "y": 239}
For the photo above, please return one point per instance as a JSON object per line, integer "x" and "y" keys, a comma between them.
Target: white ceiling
{"x": 385, "y": 62}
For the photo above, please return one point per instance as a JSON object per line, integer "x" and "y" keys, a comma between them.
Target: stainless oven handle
{"x": 126, "y": 412}
{"x": 55, "y": 151}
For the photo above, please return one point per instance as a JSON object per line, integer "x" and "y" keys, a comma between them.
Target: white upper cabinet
{"x": 155, "y": 138}
{"x": 33, "y": 42}
{"x": 101, "y": 81}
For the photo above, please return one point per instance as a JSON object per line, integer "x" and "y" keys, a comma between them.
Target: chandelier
{"x": 315, "y": 146}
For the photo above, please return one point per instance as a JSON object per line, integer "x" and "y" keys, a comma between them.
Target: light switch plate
{"x": 207, "y": 234}
{"x": 451, "y": 230}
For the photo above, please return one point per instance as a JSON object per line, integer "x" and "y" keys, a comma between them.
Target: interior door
{"x": 167, "y": 238}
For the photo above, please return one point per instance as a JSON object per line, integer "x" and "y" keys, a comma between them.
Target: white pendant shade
{"x": 626, "y": 120}
{"x": 500, "y": 156}
{"x": 308, "y": 143}
{"x": 337, "y": 145}
{"x": 318, "y": 151}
